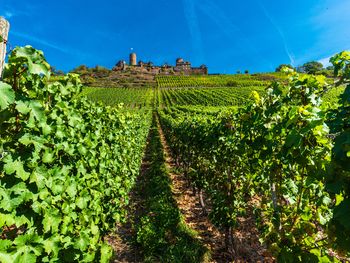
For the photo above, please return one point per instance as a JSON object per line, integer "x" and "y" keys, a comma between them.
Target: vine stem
{"x": 299, "y": 199}
{"x": 201, "y": 200}
{"x": 274, "y": 196}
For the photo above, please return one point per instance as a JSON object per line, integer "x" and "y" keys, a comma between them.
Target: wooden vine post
{"x": 4, "y": 31}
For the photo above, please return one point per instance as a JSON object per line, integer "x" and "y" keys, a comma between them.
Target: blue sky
{"x": 226, "y": 35}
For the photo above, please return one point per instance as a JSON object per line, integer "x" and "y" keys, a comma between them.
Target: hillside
{"x": 215, "y": 168}
{"x": 140, "y": 79}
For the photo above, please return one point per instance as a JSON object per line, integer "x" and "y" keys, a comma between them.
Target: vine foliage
{"x": 67, "y": 165}
{"x": 285, "y": 154}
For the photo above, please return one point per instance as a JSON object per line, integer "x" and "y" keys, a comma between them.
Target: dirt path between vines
{"x": 192, "y": 211}
{"x": 248, "y": 247}
{"x": 122, "y": 240}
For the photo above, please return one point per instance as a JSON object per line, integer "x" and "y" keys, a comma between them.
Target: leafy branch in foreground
{"x": 67, "y": 165}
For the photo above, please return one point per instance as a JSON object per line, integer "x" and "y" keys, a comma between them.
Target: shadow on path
{"x": 161, "y": 231}
{"x": 155, "y": 230}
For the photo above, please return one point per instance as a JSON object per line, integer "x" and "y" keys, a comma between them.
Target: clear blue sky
{"x": 226, "y": 35}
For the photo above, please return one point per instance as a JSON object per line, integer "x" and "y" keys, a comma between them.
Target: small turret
{"x": 133, "y": 59}
{"x": 179, "y": 61}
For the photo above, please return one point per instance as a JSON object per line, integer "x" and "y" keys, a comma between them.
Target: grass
{"x": 161, "y": 232}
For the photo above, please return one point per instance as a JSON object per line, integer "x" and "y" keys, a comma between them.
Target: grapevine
{"x": 67, "y": 165}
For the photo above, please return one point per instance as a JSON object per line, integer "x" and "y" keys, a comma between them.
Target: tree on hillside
{"x": 312, "y": 67}
{"x": 99, "y": 69}
{"x": 330, "y": 68}
{"x": 246, "y": 71}
{"x": 280, "y": 67}
{"x": 80, "y": 69}
{"x": 56, "y": 72}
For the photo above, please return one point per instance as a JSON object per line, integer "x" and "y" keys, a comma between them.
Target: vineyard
{"x": 199, "y": 169}
{"x": 206, "y": 96}
{"x": 129, "y": 97}
{"x": 258, "y": 80}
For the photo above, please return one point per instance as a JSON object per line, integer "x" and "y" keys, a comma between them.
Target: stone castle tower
{"x": 133, "y": 59}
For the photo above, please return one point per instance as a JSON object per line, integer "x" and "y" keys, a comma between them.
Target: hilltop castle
{"x": 181, "y": 68}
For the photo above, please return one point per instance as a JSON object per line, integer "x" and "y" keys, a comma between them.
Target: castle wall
{"x": 181, "y": 68}
{"x": 199, "y": 71}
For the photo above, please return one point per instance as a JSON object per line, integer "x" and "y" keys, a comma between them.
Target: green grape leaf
{"x": 51, "y": 223}
{"x": 82, "y": 202}
{"x": 46, "y": 129}
{"x": 26, "y": 239}
{"x": 37, "y": 110}
{"x": 6, "y": 257}
{"x": 94, "y": 229}
{"x": 72, "y": 189}
{"x": 48, "y": 157}
{"x": 51, "y": 245}
{"x": 16, "y": 166}
{"x": 106, "y": 253}
{"x": 7, "y": 95}
{"x": 25, "y": 256}
{"x": 38, "y": 177}
{"x": 22, "y": 107}
{"x": 7, "y": 219}
{"x": 26, "y": 139}
{"x": 322, "y": 220}
{"x": 5, "y": 244}
{"x": 82, "y": 242}
{"x": 38, "y": 69}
